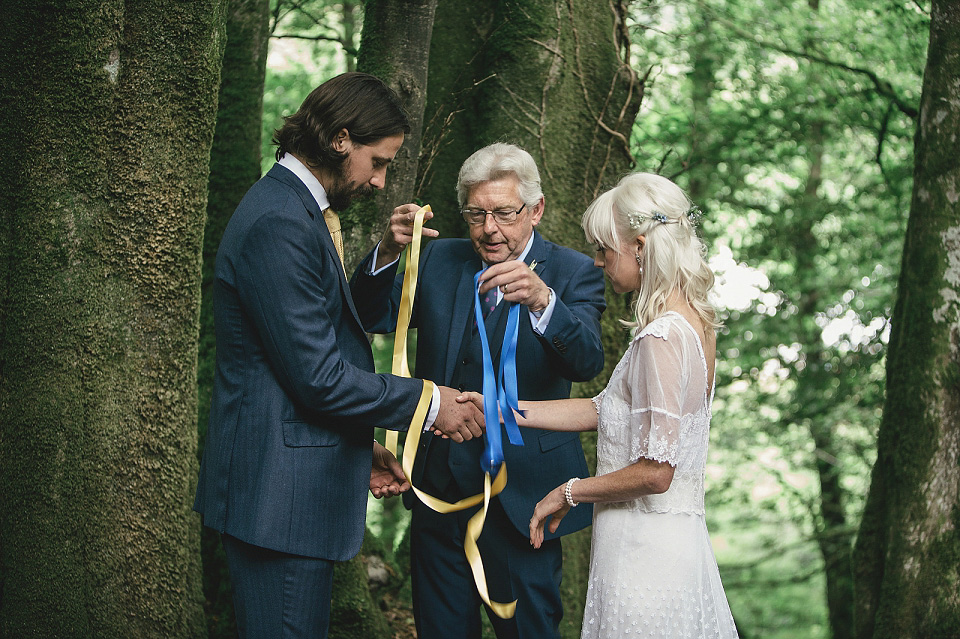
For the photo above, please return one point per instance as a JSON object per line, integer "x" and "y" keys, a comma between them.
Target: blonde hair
{"x": 673, "y": 255}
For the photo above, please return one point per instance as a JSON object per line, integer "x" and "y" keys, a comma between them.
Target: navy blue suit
{"x": 448, "y": 352}
{"x": 295, "y": 400}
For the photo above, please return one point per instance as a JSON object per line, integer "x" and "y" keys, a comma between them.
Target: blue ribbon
{"x": 500, "y": 389}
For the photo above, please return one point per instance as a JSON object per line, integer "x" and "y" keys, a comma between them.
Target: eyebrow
{"x": 499, "y": 207}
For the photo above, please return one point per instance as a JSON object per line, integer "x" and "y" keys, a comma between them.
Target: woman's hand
{"x": 471, "y": 396}
{"x": 555, "y": 504}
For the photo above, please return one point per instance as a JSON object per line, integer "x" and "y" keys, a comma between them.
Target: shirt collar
{"x": 298, "y": 168}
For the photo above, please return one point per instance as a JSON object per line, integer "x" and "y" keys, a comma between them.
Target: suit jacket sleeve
{"x": 572, "y": 339}
{"x": 377, "y": 297}
{"x": 282, "y": 283}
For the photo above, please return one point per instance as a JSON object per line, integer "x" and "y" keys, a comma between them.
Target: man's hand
{"x": 459, "y": 421}
{"x": 519, "y": 284}
{"x": 386, "y": 476}
{"x": 399, "y": 233}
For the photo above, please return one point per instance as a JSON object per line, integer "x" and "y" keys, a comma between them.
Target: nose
{"x": 598, "y": 260}
{"x": 379, "y": 179}
{"x": 489, "y": 226}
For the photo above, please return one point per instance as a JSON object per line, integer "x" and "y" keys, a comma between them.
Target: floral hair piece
{"x": 693, "y": 214}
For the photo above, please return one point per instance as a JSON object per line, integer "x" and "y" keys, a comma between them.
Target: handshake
{"x": 461, "y": 415}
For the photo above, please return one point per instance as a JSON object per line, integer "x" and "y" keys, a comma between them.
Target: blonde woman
{"x": 652, "y": 569}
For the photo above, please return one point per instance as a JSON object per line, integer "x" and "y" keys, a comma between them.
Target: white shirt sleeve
{"x": 542, "y": 319}
{"x": 373, "y": 262}
{"x": 434, "y": 409}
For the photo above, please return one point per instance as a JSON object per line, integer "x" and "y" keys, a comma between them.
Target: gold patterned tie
{"x": 333, "y": 225}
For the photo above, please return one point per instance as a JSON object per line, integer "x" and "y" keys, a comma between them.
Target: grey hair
{"x": 673, "y": 255}
{"x": 499, "y": 160}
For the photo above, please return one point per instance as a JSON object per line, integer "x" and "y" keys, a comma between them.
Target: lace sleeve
{"x": 599, "y": 400}
{"x": 656, "y": 384}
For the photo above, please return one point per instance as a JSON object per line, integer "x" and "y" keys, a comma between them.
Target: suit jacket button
{"x": 460, "y": 388}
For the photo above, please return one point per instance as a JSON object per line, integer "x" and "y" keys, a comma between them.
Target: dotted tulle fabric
{"x": 652, "y": 569}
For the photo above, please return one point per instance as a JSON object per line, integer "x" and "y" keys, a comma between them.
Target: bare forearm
{"x": 644, "y": 477}
{"x": 559, "y": 414}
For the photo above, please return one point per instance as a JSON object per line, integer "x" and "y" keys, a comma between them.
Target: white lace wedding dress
{"x": 652, "y": 570}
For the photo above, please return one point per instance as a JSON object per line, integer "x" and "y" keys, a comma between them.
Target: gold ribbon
{"x": 401, "y": 367}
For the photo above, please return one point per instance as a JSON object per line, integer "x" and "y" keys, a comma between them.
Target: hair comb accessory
{"x": 637, "y": 219}
{"x": 694, "y": 214}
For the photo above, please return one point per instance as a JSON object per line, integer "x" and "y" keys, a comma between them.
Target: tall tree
{"x": 106, "y": 117}
{"x": 234, "y": 167}
{"x": 908, "y": 549}
{"x": 394, "y": 46}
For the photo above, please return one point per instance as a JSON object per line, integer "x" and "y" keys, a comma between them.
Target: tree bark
{"x": 394, "y": 46}
{"x": 107, "y": 116}
{"x": 234, "y": 167}
{"x": 908, "y": 550}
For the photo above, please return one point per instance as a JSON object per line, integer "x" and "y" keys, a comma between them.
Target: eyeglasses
{"x": 479, "y": 216}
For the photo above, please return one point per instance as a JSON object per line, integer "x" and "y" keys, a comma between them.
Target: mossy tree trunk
{"x": 107, "y": 117}
{"x": 234, "y": 167}
{"x": 394, "y": 46}
{"x": 552, "y": 77}
{"x": 908, "y": 550}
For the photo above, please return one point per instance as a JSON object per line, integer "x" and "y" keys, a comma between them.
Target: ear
{"x": 641, "y": 240}
{"x": 537, "y": 212}
{"x": 340, "y": 141}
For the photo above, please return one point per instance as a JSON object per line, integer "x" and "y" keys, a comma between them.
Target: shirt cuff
{"x": 373, "y": 263}
{"x": 540, "y": 320}
{"x": 434, "y": 409}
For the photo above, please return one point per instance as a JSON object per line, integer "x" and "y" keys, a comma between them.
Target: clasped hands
{"x": 552, "y": 507}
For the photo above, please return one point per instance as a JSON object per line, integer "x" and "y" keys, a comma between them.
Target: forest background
{"x": 791, "y": 124}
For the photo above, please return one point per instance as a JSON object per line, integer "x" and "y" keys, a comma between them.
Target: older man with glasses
{"x": 559, "y": 343}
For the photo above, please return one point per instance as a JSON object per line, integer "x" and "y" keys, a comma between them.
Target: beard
{"x": 343, "y": 192}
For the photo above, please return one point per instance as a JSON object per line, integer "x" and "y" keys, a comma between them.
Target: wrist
{"x": 567, "y": 492}
{"x": 540, "y": 308}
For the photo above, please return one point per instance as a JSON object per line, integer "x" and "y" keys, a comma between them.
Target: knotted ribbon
{"x": 500, "y": 389}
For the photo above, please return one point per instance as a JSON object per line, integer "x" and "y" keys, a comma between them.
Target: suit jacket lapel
{"x": 460, "y": 313}
{"x": 286, "y": 176}
{"x": 538, "y": 253}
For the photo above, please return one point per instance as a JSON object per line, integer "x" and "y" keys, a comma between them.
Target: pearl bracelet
{"x": 567, "y": 494}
